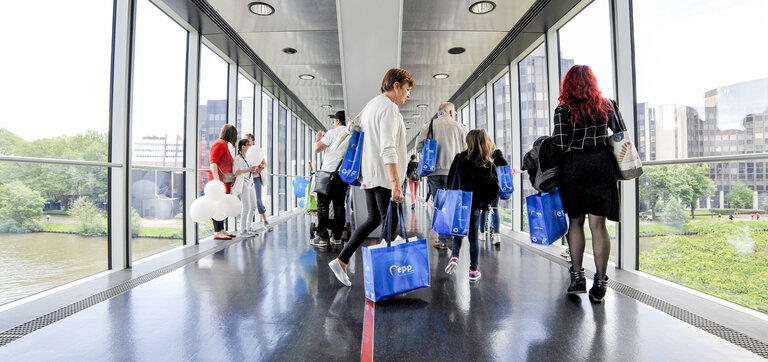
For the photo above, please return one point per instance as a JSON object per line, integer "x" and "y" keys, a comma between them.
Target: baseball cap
{"x": 340, "y": 115}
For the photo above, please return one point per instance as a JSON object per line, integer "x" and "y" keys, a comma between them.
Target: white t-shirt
{"x": 330, "y": 159}
{"x": 383, "y": 144}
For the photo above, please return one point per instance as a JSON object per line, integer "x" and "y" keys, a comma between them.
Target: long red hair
{"x": 580, "y": 93}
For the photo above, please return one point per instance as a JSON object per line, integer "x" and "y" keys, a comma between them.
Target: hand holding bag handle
{"x": 387, "y": 224}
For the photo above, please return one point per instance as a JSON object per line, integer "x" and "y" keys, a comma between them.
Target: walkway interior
{"x": 272, "y": 297}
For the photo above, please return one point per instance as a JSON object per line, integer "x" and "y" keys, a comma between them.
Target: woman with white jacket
{"x": 384, "y": 161}
{"x": 243, "y": 187}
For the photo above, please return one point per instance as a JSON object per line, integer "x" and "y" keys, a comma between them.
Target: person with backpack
{"x": 588, "y": 173}
{"x": 413, "y": 179}
{"x": 473, "y": 170}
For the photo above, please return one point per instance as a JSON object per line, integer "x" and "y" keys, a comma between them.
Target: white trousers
{"x": 248, "y": 212}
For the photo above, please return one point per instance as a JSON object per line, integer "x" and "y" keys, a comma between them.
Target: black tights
{"x": 601, "y": 242}
{"x": 377, "y": 200}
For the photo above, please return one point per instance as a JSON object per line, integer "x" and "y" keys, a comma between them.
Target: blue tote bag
{"x": 546, "y": 218}
{"x": 452, "y": 212}
{"x": 389, "y": 269}
{"x": 428, "y": 155}
{"x": 506, "y": 186}
{"x": 300, "y": 187}
{"x": 350, "y": 166}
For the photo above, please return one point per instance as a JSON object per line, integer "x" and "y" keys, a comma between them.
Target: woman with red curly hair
{"x": 588, "y": 173}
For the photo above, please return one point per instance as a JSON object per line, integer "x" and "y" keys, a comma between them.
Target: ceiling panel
{"x": 290, "y": 15}
{"x": 455, "y": 15}
{"x": 431, "y": 47}
{"x": 314, "y": 47}
{"x": 324, "y": 74}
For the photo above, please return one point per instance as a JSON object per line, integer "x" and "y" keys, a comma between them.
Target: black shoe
{"x": 597, "y": 293}
{"x": 413, "y": 206}
{"x": 578, "y": 282}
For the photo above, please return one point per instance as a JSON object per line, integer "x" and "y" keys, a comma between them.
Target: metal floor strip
{"x": 753, "y": 345}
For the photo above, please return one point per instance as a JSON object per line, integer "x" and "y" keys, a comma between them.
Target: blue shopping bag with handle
{"x": 350, "y": 167}
{"x": 452, "y": 212}
{"x": 506, "y": 185}
{"x": 547, "y": 220}
{"x": 393, "y": 268}
{"x": 428, "y": 155}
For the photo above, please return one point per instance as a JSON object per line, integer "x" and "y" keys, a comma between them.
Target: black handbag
{"x": 323, "y": 180}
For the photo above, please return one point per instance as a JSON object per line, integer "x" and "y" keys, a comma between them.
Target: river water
{"x": 35, "y": 262}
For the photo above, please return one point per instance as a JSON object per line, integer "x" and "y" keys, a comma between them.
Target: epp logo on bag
{"x": 398, "y": 271}
{"x": 558, "y": 213}
{"x": 344, "y": 171}
{"x": 533, "y": 239}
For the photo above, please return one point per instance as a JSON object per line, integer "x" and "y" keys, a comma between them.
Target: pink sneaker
{"x": 452, "y": 264}
{"x": 474, "y": 275}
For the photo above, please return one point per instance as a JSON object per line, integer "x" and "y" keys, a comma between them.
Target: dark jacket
{"x": 412, "y": 167}
{"x": 480, "y": 180}
{"x": 498, "y": 158}
{"x": 542, "y": 162}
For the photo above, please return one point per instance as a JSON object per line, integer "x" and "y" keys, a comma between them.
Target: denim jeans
{"x": 474, "y": 251}
{"x": 257, "y": 186}
{"x": 494, "y": 217}
{"x": 438, "y": 182}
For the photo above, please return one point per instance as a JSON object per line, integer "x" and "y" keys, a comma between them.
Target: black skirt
{"x": 588, "y": 183}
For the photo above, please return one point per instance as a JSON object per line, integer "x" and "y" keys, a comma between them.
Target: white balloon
{"x": 231, "y": 205}
{"x": 254, "y": 156}
{"x": 202, "y": 209}
{"x": 218, "y": 212}
{"x": 215, "y": 190}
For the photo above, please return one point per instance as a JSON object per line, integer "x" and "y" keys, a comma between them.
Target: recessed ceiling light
{"x": 422, "y": 106}
{"x": 326, "y": 106}
{"x": 261, "y": 8}
{"x": 440, "y": 76}
{"x": 416, "y": 115}
{"x": 456, "y": 50}
{"x": 306, "y": 76}
{"x": 290, "y": 51}
{"x": 482, "y": 7}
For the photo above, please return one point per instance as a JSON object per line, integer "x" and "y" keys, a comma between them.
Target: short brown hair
{"x": 229, "y": 133}
{"x": 396, "y": 75}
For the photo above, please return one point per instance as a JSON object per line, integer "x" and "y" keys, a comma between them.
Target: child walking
{"x": 474, "y": 171}
{"x": 243, "y": 187}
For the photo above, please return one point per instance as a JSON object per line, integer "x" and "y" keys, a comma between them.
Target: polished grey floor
{"x": 272, "y": 297}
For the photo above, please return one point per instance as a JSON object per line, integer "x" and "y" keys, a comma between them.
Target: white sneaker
{"x": 496, "y": 239}
{"x": 481, "y": 236}
{"x": 566, "y": 253}
{"x": 338, "y": 271}
{"x": 335, "y": 241}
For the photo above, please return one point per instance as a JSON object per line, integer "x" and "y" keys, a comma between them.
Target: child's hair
{"x": 479, "y": 147}
{"x": 242, "y": 143}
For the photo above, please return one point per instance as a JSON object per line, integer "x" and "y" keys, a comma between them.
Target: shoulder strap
{"x": 618, "y": 123}
{"x": 430, "y": 133}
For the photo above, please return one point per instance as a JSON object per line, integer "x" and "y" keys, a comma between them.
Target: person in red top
{"x": 221, "y": 163}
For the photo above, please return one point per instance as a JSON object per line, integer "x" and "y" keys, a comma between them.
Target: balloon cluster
{"x": 215, "y": 204}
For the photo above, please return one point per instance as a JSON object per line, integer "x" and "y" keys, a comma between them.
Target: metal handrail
{"x": 59, "y": 161}
{"x": 724, "y": 158}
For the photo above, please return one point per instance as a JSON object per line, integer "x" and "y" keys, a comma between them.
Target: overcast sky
{"x": 55, "y": 78}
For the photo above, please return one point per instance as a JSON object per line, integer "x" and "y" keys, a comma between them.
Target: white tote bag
{"x": 341, "y": 143}
{"x": 627, "y": 158}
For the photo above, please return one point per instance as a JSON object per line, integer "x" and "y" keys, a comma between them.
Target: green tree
{"x": 655, "y": 185}
{"x": 673, "y": 213}
{"x": 135, "y": 222}
{"x": 20, "y": 207}
{"x": 690, "y": 182}
{"x": 740, "y": 197}
{"x": 92, "y": 221}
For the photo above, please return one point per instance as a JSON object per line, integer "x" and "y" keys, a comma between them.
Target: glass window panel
{"x": 719, "y": 246}
{"x": 53, "y": 226}
{"x": 211, "y": 114}
{"x": 157, "y": 215}
{"x": 43, "y": 99}
{"x": 465, "y": 116}
{"x": 503, "y": 132}
{"x": 534, "y": 114}
{"x": 586, "y": 40}
{"x": 711, "y": 106}
{"x": 245, "y": 105}
{"x": 267, "y": 111}
{"x": 481, "y": 119}
{"x": 283, "y": 161}
{"x": 294, "y": 144}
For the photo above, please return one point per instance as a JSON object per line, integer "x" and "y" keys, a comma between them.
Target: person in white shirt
{"x": 384, "y": 161}
{"x": 243, "y": 187}
{"x": 450, "y": 136}
{"x": 337, "y": 190}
